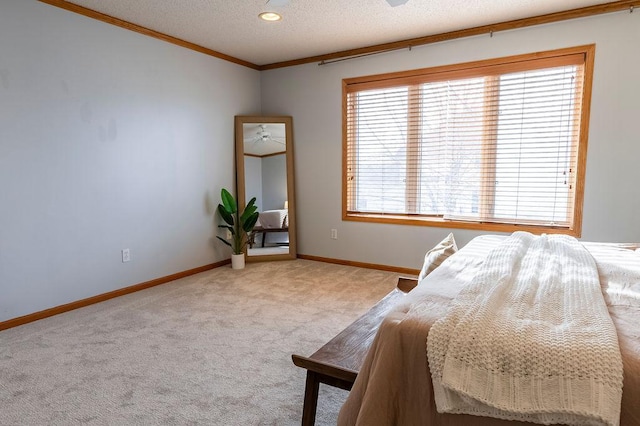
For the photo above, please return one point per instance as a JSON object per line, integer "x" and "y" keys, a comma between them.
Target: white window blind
{"x": 492, "y": 144}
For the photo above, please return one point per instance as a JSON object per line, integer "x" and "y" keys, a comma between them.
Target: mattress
{"x": 394, "y": 385}
{"x": 273, "y": 219}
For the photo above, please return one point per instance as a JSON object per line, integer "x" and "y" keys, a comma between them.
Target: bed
{"x": 269, "y": 221}
{"x": 394, "y": 385}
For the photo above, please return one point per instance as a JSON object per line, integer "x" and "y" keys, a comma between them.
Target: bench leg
{"x": 310, "y": 399}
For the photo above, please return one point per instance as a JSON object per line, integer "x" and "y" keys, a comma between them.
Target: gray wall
{"x": 274, "y": 182}
{"x": 108, "y": 140}
{"x": 312, "y": 95}
{"x": 253, "y": 179}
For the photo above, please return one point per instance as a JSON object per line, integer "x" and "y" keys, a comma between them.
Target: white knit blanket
{"x": 530, "y": 339}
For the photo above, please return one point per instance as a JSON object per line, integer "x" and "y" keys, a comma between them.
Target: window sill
{"x": 458, "y": 224}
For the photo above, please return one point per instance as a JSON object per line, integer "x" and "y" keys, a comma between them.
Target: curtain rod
{"x": 362, "y": 55}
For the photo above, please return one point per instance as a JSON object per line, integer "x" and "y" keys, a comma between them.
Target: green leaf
{"x": 226, "y": 216}
{"x": 251, "y": 202}
{"x": 247, "y": 213}
{"x": 229, "y": 228}
{"x": 228, "y": 201}
{"x": 248, "y": 225}
{"x": 224, "y": 241}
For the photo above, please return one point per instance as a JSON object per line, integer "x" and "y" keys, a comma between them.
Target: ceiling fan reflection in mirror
{"x": 277, "y": 3}
{"x": 280, "y": 3}
{"x": 263, "y": 136}
{"x": 394, "y": 3}
{"x": 264, "y": 139}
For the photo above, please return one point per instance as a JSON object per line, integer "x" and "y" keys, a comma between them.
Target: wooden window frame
{"x": 532, "y": 61}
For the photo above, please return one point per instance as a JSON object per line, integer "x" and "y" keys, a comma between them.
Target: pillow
{"x": 437, "y": 255}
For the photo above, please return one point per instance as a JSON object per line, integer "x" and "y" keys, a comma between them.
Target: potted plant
{"x": 239, "y": 224}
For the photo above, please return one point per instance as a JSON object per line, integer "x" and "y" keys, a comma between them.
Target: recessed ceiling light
{"x": 270, "y": 16}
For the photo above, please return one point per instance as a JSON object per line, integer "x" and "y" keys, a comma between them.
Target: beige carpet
{"x": 211, "y": 349}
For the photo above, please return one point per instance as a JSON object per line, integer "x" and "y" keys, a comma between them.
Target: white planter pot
{"x": 237, "y": 261}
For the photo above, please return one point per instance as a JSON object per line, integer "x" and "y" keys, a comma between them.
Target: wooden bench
{"x": 338, "y": 362}
{"x": 264, "y": 231}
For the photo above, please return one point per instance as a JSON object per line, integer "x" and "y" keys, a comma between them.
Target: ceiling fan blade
{"x": 394, "y": 3}
{"x": 277, "y": 3}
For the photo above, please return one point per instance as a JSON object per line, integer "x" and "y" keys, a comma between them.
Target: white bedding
{"x": 273, "y": 219}
{"x": 394, "y": 385}
{"x": 530, "y": 338}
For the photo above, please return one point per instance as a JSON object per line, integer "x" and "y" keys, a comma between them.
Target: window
{"x": 493, "y": 145}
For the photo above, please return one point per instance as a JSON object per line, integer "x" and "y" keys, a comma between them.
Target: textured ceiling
{"x": 315, "y": 27}
{"x": 264, "y": 138}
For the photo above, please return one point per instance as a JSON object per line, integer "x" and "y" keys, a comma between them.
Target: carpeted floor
{"x": 211, "y": 349}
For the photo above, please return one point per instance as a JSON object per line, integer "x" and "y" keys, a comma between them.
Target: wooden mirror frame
{"x": 240, "y": 120}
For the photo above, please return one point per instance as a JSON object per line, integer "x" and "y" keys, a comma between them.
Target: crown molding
{"x": 582, "y": 12}
{"x": 90, "y": 13}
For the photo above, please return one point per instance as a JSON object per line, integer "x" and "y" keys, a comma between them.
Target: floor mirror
{"x": 264, "y": 166}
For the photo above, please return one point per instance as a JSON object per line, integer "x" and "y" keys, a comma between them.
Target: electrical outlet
{"x": 334, "y": 234}
{"x": 126, "y": 255}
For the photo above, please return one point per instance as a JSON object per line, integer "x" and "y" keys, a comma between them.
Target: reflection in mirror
{"x": 264, "y": 157}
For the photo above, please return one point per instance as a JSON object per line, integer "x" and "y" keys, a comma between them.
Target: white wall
{"x": 312, "y": 94}
{"x": 108, "y": 140}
